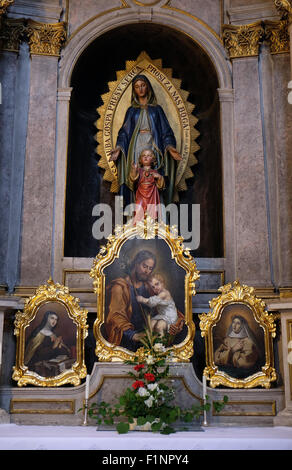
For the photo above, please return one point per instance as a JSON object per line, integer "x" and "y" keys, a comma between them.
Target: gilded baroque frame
{"x": 143, "y": 231}
{"x": 46, "y": 297}
{"x": 242, "y": 297}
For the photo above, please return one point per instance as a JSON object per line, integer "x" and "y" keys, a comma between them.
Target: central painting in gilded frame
{"x": 143, "y": 274}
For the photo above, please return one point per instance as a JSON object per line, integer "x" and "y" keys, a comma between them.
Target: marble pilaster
{"x": 16, "y": 72}
{"x": 38, "y": 195}
{"x": 253, "y": 263}
{"x": 226, "y": 98}
{"x": 283, "y": 144}
{"x": 268, "y": 111}
{"x": 8, "y": 66}
{"x": 63, "y": 101}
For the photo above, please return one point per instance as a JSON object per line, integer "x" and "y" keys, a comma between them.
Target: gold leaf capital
{"x": 46, "y": 38}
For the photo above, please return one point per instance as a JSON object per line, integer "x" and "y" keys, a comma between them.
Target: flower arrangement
{"x": 148, "y": 403}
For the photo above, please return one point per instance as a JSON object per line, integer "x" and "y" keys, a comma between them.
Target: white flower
{"x": 149, "y": 402}
{"x": 142, "y": 392}
{"x": 150, "y": 360}
{"x": 152, "y": 387}
{"x": 158, "y": 347}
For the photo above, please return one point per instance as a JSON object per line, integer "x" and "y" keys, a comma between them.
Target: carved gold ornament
{"x": 12, "y": 33}
{"x": 243, "y": 40}
{"x": 238, "y": 297}
{"x": 277, "y": 35}
{"x": 172, "y": 99}
{"x": 143, "y": 231}
{"x": 284, "y": 7}
{"x": 4, "y": 4}
{"x": 48, "y": 297}
{"x": 46, "y": 38}
{"x": 43, "y": 38}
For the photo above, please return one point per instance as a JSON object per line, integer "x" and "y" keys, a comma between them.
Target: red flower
{"x": 138, "y": 384}
{"x": 150, "y": 377}
{"x": 139, "y": 367}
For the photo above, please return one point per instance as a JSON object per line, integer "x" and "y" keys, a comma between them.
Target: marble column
{"x": 252, "y": 244}
{"x": 38, "y": 194}
{"x": 63, "y": 102}
{"x": 226, "y": 98}
{"x": 16, "y": 70}
{"x": 269, "y": 131}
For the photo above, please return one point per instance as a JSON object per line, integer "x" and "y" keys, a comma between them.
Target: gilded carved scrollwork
{"x": 145, "y": 231}
{"x": 43, "y": 38}
{"x": 12, "y": 33}
{"x": 4, "y": 4}
{"x": 245, "y": 40}
{"x": 238, "y": 302}
{"x": 284, "y": 7}
{"x": 278, "y": 36}
{"x": 52, "y": 370}
{"x": 46, "y": 39}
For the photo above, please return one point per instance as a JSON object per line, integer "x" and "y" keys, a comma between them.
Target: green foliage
{"x": 150, "y": 399}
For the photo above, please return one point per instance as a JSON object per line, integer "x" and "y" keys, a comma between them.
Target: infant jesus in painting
{"x": 149, "y": 181}
{"x": 164, "y": 303}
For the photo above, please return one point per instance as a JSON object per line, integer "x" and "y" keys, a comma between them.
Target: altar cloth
{"x": 22, "y": 437}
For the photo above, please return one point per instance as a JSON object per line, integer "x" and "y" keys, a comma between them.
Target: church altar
{"x": 192, "y": 118}
{"x": 21, "y": 437}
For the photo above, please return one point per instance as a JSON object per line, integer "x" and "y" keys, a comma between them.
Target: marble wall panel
{"x": 79, "y": 16}
{"x": 250, "y": 198}
{"x": 38, "y": 196}
{"x": 239, "y": 3}
{"x": 209, "y": 11}
{"x": 8, "y": 65}
{"x": 283, "y": 124}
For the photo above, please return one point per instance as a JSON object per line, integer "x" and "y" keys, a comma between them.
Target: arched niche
{"x": 95, "y": 67}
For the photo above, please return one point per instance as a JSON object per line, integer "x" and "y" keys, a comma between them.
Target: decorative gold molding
{"x": 242, "y": 40}
{"x": 46, "y": 38}
{"x": 277, "y": 35}
{"x": 146, "y": 4}
{"x": 43, "y": 38}
{"x": 70, "y": 409}
{"x": 49, "y": 295}
{"x": 12, "y": 33}
{"x": 145, "y": 230}
{"x": 236, "y": 295}
{"x": 245, "y": 40}
{"x": 284, "y": 7}
{"x": 225, "y": 411}
{"x": 4, "y": 4}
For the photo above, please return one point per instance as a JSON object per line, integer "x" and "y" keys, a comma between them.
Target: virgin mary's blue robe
{"x": 162, "y": 137}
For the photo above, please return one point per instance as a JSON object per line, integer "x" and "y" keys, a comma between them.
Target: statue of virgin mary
{"x": 145, "y": 126}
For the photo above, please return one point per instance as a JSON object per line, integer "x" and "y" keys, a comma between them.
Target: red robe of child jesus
{"x": 147, "y": 194}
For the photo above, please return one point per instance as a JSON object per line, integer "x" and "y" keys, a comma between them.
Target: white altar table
{"x": 20, "y": 437}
